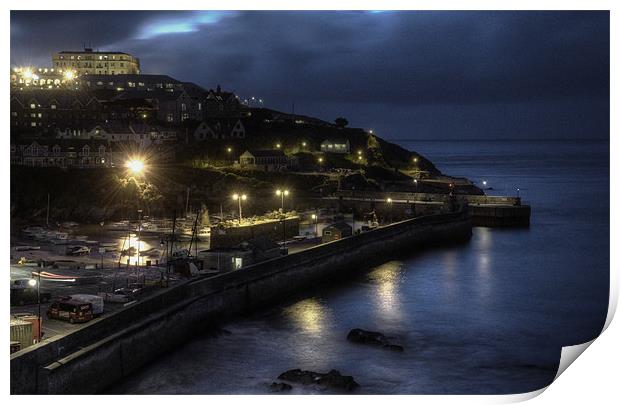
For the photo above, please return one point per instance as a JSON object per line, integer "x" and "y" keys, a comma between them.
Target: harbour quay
{"x": 113, "y": 346}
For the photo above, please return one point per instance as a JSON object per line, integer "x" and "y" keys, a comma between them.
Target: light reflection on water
{"x": 388, "y": 277}
{"x": 126, "y": 243}
{"x": 310, "y": 315}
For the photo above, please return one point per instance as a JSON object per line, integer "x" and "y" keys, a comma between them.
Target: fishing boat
{"x": 129, "y": 252}
{"x": 77, "y": 250}
{"x": 26, "y": 248}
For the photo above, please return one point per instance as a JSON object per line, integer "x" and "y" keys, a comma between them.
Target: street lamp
{"x": 32, "y": 282}
{"x": 278, "y": 146}
{"x": 239, "y": 198}
{"x": 484, "y": 183}
{"x": 282, "y": 194}
{"x": 229, "y": 149}
{"x": 135, "y": 166}
{"x": 389, "y": 201}
{"x": 316, "y": 225}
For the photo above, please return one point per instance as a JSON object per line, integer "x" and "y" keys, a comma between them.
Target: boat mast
{"x": 47, "y": 218}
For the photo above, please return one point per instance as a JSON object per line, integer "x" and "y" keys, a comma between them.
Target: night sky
{"x": 407, "y": 75}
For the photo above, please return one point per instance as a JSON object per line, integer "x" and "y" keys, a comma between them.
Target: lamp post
{"x": 282, "y": 194}
{"x": 32, "y": 282}
{"x": 316, "y": 225}
{"x": 139, "y": 240}
{"x": 389, "y": 201}
{"x": 239, "y": 198}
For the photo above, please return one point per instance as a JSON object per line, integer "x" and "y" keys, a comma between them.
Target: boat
{"x": 151, "y": 252}
{"x": 26, "y": 248}
{"x": 33, "y": 230}
{"x": 129, "y": 252}
{"x": 77, "y": 250}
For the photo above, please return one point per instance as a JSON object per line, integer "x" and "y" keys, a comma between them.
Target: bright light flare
{"x": 135, "y": 166}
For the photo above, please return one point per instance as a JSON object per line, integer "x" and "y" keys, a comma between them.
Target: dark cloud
{"x": 378, "y": 69}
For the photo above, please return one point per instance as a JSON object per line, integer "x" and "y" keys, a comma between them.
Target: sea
{"x": 486, "y": 317}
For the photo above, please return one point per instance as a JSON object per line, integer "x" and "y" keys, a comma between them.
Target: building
{"x": 268, "y": 160}
{"x": 138, "y": 133}
{"x": 130, "y": 82}
{"x": 24, "y": 78}
{"x": 83, "y": 154}
{"x": 246, "y": 253}
{"x": 336, "y": 231}
{"x": 42, "y": 111}
{"x": 89, "y": 62}
{"x": 336, "y": 146}
{"x": 222, "y": 128}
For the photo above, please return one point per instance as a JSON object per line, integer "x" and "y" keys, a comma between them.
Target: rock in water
{"x": 372, "y": 338}
{"x": 279, "y": 387}
{"x": 366, "y": 336}
{"x": 333, "y": 379}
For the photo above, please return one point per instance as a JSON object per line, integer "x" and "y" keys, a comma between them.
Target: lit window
{"x": 33, "y": 105}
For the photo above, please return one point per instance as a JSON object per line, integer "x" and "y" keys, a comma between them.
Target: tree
{"x": 341, "y": 122}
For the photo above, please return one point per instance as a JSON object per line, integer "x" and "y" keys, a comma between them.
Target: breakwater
{"x": 110, "y": 348}
{"x": 491, "y": 211}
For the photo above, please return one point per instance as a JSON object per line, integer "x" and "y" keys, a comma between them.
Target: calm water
{"x": 490, "y": 316}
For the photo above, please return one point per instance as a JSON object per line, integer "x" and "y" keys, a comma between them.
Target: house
{"x": 336, "y": 146}
{"x": 246, "y": 253}
{"x": 62, "y": 153}
{"x": 222, "y": 128}
{"x": 336, "y": 231}
{"x": 268, "y": 160}
{"x": 39, "y": 110}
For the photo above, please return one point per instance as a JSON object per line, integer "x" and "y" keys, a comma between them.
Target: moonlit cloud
{"x": 193, "y": 22}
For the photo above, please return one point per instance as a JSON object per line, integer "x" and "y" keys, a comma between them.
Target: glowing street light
{"x": 415, "y": 160}
{"x": 315, "y": 218}
{"x": 278, "y": 146}
{"x": 389, "y": 201}
{"x": 239, "y": 198}
{"x": 69, "y": 75}
{"x": 320, "y": 160}
{"x": 370, "y": 131}
{"x": 303, "y": 144}
{"x": 484, "y": 183}
{"x": 32, "y": 282}
{"x": 282, "y": 194}
{"x": 229, "y": 149}
{"x": 135, "y": 166}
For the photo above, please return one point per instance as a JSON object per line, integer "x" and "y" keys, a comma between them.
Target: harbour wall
{"x": 111, "y": 348}
{"x": 489, "y": 211}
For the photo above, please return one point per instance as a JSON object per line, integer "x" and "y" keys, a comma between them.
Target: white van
{"x": 95, "y": 300}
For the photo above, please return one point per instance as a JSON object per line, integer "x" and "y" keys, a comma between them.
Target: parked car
{"x": 70, "y": 310}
